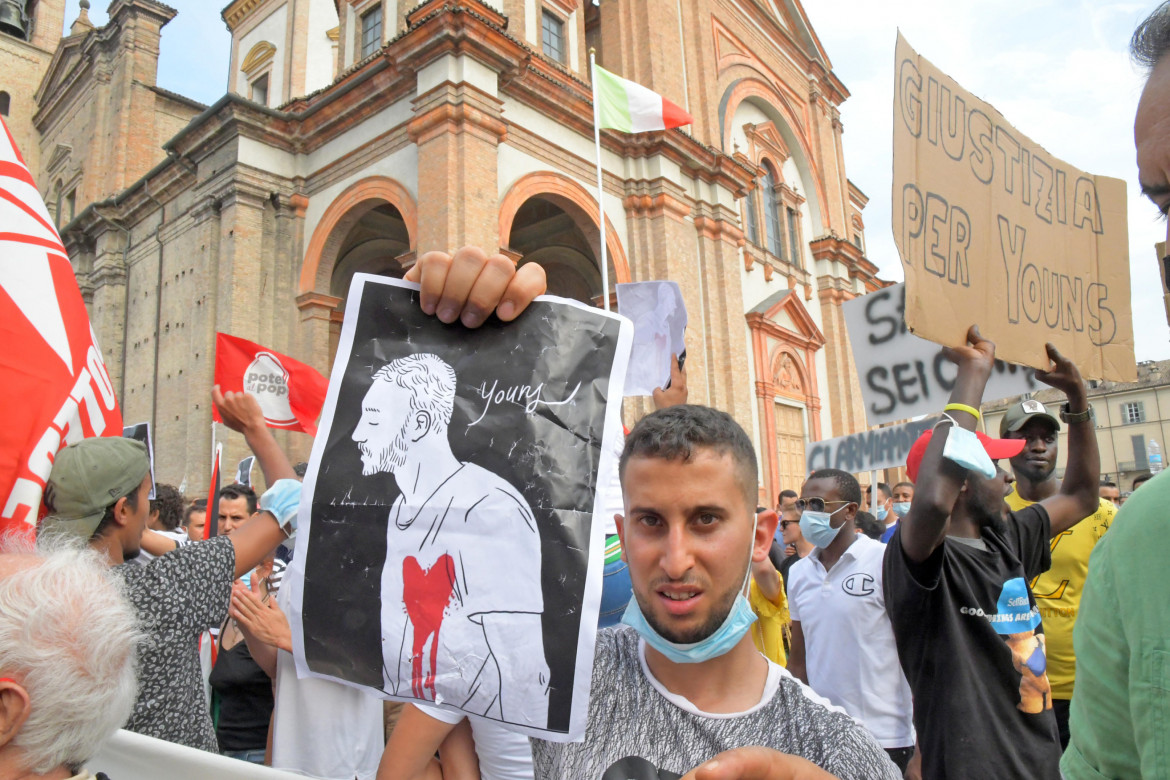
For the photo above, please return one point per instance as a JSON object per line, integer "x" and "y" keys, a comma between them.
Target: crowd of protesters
{"x": 976, "y": 623}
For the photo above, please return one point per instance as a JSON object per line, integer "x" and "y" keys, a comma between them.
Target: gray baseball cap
{"x": 87, "y": 478}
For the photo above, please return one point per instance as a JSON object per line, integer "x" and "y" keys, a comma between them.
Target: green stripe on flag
{"x": 613, "y": 101}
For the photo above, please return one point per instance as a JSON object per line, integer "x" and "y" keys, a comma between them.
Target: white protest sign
{"x": 130, "y": 756}
{"x": 660, "y": 323}
{"x": 904, "y": 376}
{"x": 881, "y": 448}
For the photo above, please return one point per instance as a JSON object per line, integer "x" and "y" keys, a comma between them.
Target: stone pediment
{"x": 65, "y": 61}
{"x": 765, "y": 137}
{"x": 58, "y": 158}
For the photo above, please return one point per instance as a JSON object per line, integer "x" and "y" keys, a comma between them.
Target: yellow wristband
{"x": 971, "y": 410}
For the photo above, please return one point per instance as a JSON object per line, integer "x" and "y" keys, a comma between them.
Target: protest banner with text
{"x": 903, "y": 376}
{"x": 54, "y": 387}
{"x": 994, "y": 230}
{"x": 289, "y": 392}
{"x": 881, "y": 448}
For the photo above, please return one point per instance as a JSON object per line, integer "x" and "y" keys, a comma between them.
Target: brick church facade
{"x": 358, "y": 134}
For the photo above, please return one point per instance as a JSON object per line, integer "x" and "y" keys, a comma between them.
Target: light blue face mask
{"x": 882, "y": 512}
{"x": 727, "y": 636}
{"x": 901, "y": 508}
{"x": 817, "y": 527}
{"x": 963, "y": 448}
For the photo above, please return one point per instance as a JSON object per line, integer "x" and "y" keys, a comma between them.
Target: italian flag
{"x": 631, "y": 108}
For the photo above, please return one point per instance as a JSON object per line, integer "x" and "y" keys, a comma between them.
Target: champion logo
{"x": 858, "y": 585}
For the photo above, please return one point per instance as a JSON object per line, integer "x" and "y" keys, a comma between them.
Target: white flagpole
{"x": 600, "y": 191}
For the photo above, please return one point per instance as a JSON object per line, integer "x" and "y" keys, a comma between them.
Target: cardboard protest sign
{"x": 903, "y": 376}
{"x": 141, "y": 432}
{"x": 290, "y": 393}
{"x": 450, "y": 535}
{"x": 881, "y": 448}
{"x": 995, "y": 231}
{"x": 54, "y": 387}
{"x": 660, "y": 323}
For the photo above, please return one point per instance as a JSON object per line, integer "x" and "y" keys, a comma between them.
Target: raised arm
{"x": 241, "y": 412}
{"x": 1077, "y": 498}
{"x": 939, "y": 480}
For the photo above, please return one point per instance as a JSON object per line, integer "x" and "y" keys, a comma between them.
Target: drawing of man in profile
{"x": 461, "y": 592}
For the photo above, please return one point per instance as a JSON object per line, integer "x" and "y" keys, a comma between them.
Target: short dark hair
{"x": 235, "y": 491}
{"x": 869, "y": 525}
{"x": 676, "y": 432}
{"x": 108, "y": 518}
{"x": 787, "y": 493}
{"x": 882, "y": 486}
{"x": 847, "y": 485}
{"x": 1151, "y": 39}
{"x": 1107, "y": 483}
{"x": 196, "y": 506}
{"x": 169, "y": 504}
{"x": 904, "y": 484}
{"x": 1140, "y": 478}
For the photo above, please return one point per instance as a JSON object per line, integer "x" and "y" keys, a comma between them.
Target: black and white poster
{"x": 449, "y": 547}
{"x": 141, "y": 432}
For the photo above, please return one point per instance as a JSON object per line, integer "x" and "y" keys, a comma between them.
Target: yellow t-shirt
{"x": 769, "y": 631}
{"x": 1058, "y": 590}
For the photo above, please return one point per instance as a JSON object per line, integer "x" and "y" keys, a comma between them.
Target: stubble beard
{"x": 716, "y": 619}
{"x": 390, "y": 458}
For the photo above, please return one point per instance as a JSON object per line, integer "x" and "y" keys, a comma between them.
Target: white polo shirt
{"x": 849, "y": 648}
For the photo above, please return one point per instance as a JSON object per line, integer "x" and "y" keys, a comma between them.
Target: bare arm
{"x": 410, "y": 753}
{"x": 457, "y": 754}
{"x": 515, "y": 639}
{"x": 156, "y": 544}
{"x": 796, "y": 658}
{"x": 939, "y": 480}
{"x": 1077, "y": 498}
{"x": 241, "y": 412}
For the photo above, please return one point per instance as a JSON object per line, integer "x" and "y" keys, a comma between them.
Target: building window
{"x": 5, "y": 102}
{"x": 259, "y": 90}
{"x": 772, "y": 214}
{"x": 793, "y": 233}
{"x": 1133, "y": 412}
{"x": 371, "y": 31}
{"x": 552, "y": 31}
{"x": 752, "y": 206}
{"x": 70, "y": 206}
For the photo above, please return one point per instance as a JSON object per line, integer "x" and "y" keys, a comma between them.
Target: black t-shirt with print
{"x": 970, "y": 642}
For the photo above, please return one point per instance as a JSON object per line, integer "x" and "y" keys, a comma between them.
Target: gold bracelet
{"x": 971, "y": 410}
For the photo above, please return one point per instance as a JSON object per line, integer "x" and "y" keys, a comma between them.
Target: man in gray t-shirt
{"x": 683, "y": 682}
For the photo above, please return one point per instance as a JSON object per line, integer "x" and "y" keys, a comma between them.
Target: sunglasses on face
{"x": 815, "y": 504}
{"x": 785, "y": 523}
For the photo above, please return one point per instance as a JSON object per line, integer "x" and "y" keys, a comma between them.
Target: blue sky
{"x": 1057, "y": 69}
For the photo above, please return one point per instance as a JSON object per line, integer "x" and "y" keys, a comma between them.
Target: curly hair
{"x": 1151, "y": 39}
{"x": 431, "y": 382}
{"x": 169, "y": 504}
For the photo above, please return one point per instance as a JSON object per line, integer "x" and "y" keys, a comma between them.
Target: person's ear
{"x": 122, "y": 511}
{"x": 620, "y": 522}
{"x": 766, "y": 523}
{"x": 423, "y": 421}
{"x": 14, "y": 709}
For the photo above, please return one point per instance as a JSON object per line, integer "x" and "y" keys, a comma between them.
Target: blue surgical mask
{"x": 727, "y": 636}
{"x": 882, "y": 512}
{"x": 964, "y": 449}
{"x": 817, "y": 527}
{"x": 901, "y": 508}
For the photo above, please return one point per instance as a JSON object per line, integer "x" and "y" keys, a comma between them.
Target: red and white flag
{"x": 54, "y": 387}
{"x": 290, "y": 393}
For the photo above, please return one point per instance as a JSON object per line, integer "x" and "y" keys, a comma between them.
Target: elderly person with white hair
{"x": 68, "y": 643}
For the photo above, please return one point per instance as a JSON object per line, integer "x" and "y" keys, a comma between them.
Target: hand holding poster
{"x": 903, "y": 376}
{"x": 449, "y": 541}
{"x": 660, "y": 324}
{"x": 54, "y": 388}
{"x": 290, "y": 393}
{"x": 994, "y": 231}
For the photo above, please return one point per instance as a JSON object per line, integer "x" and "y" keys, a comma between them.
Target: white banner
{"x": 881, "y": 448}
{"x": 904, "y": 376}
{"x": 130, "y": 756}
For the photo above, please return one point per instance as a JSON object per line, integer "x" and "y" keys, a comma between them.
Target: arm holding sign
{"x": 1077, "y": 498}
{"x": 939, "y": 480}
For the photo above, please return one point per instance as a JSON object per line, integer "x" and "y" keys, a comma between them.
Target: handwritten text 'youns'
{"x": 528, "y": 396}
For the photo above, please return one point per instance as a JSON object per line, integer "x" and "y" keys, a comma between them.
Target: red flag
{"x": 211, "y": 524}
{"x": 54, "y": 387}
{"x": 290, "y": 393}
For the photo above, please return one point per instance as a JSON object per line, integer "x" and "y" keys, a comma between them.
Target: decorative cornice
{"x": 237, "y": 11}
